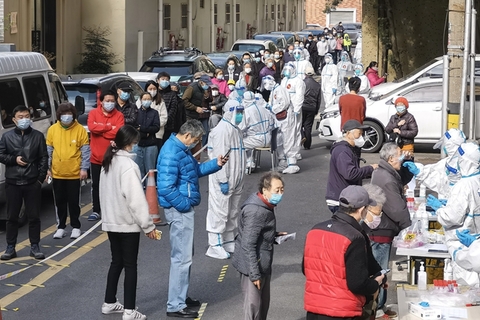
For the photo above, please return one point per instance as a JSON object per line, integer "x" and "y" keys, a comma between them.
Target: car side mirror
{"x": 80, "y": 105}
{"x": 389, "y": 101}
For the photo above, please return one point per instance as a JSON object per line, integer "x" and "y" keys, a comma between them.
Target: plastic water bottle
{"x": 423, "y": 192}
{"x": 410, "y": 201}
{"x": 423, "y": 216}
{"x": 422, "y": 278}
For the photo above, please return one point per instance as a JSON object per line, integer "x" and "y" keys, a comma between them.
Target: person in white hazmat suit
{"x": 296, "y": 89}
{"x": 345, "y": 69}
{"x": 365, "y": 85}
{"x": 357, "y": 56}
{"x": 439, "y": 177}
{"x": 256, "y": 126}
{"x": 462, "y": 210}
{"x": 237, "y": 94}
{"x": 285, "y": 121}
{"x": 300, "y": 63}
{"x": 329, "y": 81}
{"x": 225, "y": 186}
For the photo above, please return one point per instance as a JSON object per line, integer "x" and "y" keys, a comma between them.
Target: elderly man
{"x": 341, "y": 273}
{"x": 345, "y": 167}
{"x": 395, "y": 212}
{"x": 179, "y": 193}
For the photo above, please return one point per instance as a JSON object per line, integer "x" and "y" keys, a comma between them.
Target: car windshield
{"x": 411, "y": 74}
{"x": 89, "y": 93}
{"x": 250, "y": 47}
{"x": 172, "y": 68}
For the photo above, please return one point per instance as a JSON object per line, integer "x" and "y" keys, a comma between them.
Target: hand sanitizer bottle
{"x": 422, "y": 278}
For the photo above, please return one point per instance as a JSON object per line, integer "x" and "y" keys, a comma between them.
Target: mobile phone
{"x": 385, "y": 271}
{"x": 23, "y": 159}
{"x": 228, "y": 153}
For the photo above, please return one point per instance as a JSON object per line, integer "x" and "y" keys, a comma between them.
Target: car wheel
{"x": 374, "y": 137}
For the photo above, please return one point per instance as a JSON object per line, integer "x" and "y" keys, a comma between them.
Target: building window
{"x": 215, "y": 11}
{"x": 278, "y": 12}
{"x": 202, "y": 3}
{"x": 227, "y": 12}
{"x": 237, "y": 12}
{"x": 273, "y": 12}
{"x": 184, "y": 10}
{"x": 166, "y": 16}
{"x": 284, "y": 11}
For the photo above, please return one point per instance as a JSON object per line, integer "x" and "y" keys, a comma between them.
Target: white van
{"x": 26, "y": 78}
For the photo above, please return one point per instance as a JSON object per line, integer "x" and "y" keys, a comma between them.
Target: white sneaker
{"x": 75, "y": 233}
{"x": 129, "y": 314}
{"x": 298, "y": 156}
{"x": 59, "y": 234}
{"x": 229, "y": 246}
{"x": 109, "y": 308}
{"x": 250, "y": 164}
{"x": 292, "y": 169}
{"x": 217, "y": 252}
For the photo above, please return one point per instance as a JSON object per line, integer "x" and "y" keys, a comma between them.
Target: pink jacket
{"x": 222, "y": 86}
{"x": 373, "y": 77}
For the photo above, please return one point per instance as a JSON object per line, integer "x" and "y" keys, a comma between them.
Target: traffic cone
{"x": 152, "y": 200}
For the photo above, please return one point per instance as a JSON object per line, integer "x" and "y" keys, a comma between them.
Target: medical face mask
{"x": 290, "y": 51}
{"x": 296, "y": 56}
{"x": 191, "y": 146}
{"x": 301, "y": 45}
{"x": 287, "y": 75}
{"x": 231, "y": 67}
{"x": 23, "y": 124}
{"x": 66, "y": 119}
{"x": 248, "y": 70}
{"x": 214, "y": 93}
{"x": 124, "y": 95}
{"x": 42, "y": 104}
{"x": 358, "y": 72}
{"x": 275, "y": 198}
{"x": 266, "y": 55}
{"x": 220, "y": 77}
{"x": 205, "y": 87}
{"x": 270, "y": 64}
{"x": 109, "y": 106}
{"x": 257, "y": 60}
{"x": 359, "y": 142}
{"x": 153, "y": 93}
{"x": 238, "y": 118}
{"x": 240, "y": 92}
{"x": 375, "y": 68}
{"x": 277, "y": 56}
{"x": 246, "y": 61}
{"x": 328, "y": 60}
{"x": 231, "y": 87}
{"x": 344, "y": 58}
{"x": 146, "y": 103}
{"x": 375, "y": 222}
{"x": 164, "y": 83}
{"x": 400, "y": 109}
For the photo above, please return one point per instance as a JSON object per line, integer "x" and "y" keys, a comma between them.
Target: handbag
{"x": 281, "y": 115}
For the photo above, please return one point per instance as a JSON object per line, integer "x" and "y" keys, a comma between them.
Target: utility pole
{"x": 456, "y": 35}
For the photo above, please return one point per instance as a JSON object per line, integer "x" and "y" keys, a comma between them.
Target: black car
{"x": 290, "y": 36}
{"x": 353, "y": 30}
{"x": 91, "y": 86}
{"x": 220, "y": 58}
{"x": 279, "y": 39}
{"x": 180, "y": 65}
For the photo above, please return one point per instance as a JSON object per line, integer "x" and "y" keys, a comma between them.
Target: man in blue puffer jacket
{"x": 178, "y": 194}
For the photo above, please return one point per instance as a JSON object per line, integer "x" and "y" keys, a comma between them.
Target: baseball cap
{"x": 355, "y": 197}
{"x": 309, "y": 71}
{"x": 197, "y": 75}
{"x": 231, "y": 81}
{"x": 353, "y": 124}
{"x": 125, "y": 86}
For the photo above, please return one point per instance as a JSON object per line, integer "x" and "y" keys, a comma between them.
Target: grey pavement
{"x": 73, "y": 286}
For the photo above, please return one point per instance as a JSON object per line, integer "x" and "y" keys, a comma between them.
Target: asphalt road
{"x": 71, "y": 284}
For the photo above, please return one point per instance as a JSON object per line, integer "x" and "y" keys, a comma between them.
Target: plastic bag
{"x": 411, "y": 237}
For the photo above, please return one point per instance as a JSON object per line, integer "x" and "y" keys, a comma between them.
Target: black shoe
{"x": 185, "y": 313}
{"x": 35, "y": 252}
{"x": 192, "y": 302}
{"x": 10, "y": 253}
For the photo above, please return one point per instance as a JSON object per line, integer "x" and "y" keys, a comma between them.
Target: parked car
{"x": 253, "y": 46}
{"x": 181, "y": 65}
{"x": 316, "y": 31}
{"x": 220, "y": 58}
{"x": 430, "y": 70}
{"x": 90, "y": 87}
{"x": 304, "y": 34}
{"x": 353, "y": 30}
{"x": 425, "y": 103}
{"x": 278, "y": 39}
{"x": 290, "y": 36}
{"x": 142, "y": 77}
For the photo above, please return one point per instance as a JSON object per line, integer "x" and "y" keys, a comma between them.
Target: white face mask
{"x": 153, "y": 93}
{"x": 231, "y": 87}
{"x": 248, "y": 70}
{"x": 359, "y": 142}
{"x": 214, "y": 93}
{"x": 375, "y": 222}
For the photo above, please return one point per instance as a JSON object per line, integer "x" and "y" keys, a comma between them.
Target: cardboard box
{"x": 427, "y": 313}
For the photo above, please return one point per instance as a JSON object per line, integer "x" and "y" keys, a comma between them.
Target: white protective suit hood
{"x": 328, "y": 58}
{"x": 345, "y": 57}
{"x": 231, "y": 108}
{"x": 268, "y": 83}
{"x": 261, "y": 103}
{"x": 298, "y": 52}
{"x": 358, "y": 69}
{"x": 290, "y": 69}
{"x": 466, "y": 160}
{"x": 248, "y": 99}
{"x": 450, "y": 141}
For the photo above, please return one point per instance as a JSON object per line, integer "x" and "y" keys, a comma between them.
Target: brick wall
{"x": 314, "y": 10}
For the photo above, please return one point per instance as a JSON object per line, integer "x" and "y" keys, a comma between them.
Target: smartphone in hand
{"x": 228, "y": 153}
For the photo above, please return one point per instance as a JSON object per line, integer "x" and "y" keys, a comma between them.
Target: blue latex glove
{"x": 433, "y": 202}
{"x": 334, "y": 90}
{"x": 443, "y": 201}
{"x": 224, "y": 187}
{"x": 411, "y": 167}
{"x": 465, "y": 237}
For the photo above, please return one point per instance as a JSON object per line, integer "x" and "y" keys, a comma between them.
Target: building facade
{"x": 347, "y": 11}
{"x": 138, "y": 28}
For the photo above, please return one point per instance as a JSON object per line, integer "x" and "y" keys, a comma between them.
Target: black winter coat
{"x": 32, "y": 147}
{"x": 408, "y": 131}
{"x": 313, "y": 95}
{"x": 148, "y": 124}
{"x": 130, "y": 112}
{"x": 171, "y": 103}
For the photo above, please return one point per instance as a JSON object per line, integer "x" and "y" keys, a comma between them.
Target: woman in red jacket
{"x": 372, "y": 74}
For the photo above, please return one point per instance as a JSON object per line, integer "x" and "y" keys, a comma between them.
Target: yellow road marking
{"x": 51, "y": 271}
{"x": 5, "y": 309}
{"x": 222, "y": 273}
{"x": 24, "y": 264}
{"x": 201, "y": 311}
{"x": 52, "y": 229}
{"x": 22, "y": 285}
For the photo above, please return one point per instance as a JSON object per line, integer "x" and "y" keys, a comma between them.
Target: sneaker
{"x": 10, "y": 253}
{"x": 292, "y": 169}
{"x": 59, "y": 234}
{"x": 390, "y": 313}
{"x": 35, "y": 252}
{"x": 94, "y": 217}
{"x": 109, "y": 308}
{"x": 303, "y": 141}
{"x": 217, "y": 252}
{"x": 75, "y": 233}
{"x": 130, "y": 314}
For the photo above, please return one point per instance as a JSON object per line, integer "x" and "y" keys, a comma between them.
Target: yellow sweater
{"x": 67, "y": 147}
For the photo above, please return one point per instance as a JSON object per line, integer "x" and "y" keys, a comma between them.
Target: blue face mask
{"x": 240, "y": 92}
{"x": 23, "y": 124}
{"x": 42, "y": 104}
{"x": 238, "y": 118}
{"x": 134, "y": 148}
{"x": 164, "y": 83}
{"x": 66, "y": 119}
{"x": 146, "y": 103}
{"x": 246, "y": 61}
{"x": 287, "y": 75}
{"x": 358, "y": 72}
{"x": 205, "y": 87}
{"x": 296, "y": 56}
{"x": 275, "y": 198}
{"x": 400, "y": 109}
{"x": 257, "y": 60}
{"x": 124, "y": 95}
{"x": 191, "y": 146}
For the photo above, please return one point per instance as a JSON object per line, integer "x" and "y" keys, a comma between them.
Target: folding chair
{"x": 272, "y": 149}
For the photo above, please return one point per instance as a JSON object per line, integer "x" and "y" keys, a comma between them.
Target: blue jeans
{"x": 381, "y": 253}
{"x": 146, "y": 158}
{"x": 207, "y": 129}
{"x": 181, "y": 254}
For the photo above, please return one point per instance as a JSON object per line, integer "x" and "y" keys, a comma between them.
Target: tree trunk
{"x": 395, "y": 58}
